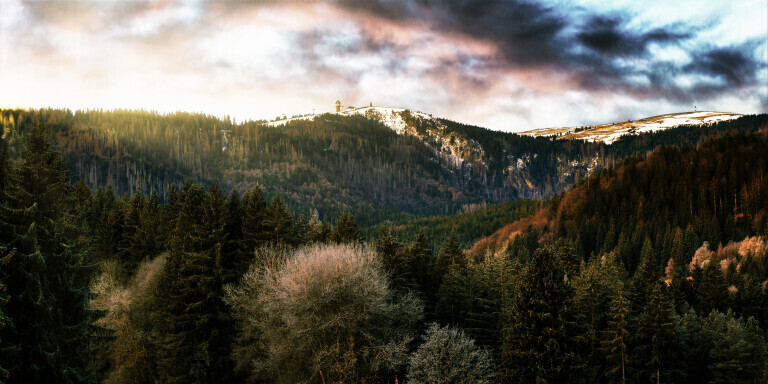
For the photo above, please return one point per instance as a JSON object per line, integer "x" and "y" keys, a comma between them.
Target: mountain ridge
{"x": 610, "y": 133}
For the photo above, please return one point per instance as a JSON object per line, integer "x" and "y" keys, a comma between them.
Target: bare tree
{"x": 448, "y": 356}
{"x": 128, "y": 311}
{"x": 326, "y": 314}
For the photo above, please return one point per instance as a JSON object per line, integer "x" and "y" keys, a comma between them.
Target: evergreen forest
{"x": 138, "y": 247}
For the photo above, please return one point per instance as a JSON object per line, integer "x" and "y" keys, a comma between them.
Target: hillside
{"x": 716, "y": 191}
{"x": 330, "y": 163}
{"x": 610, "y": 133}
{"x": 379, "y": 164}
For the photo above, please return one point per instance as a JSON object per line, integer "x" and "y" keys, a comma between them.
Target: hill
{"x": 330, "y": 163}
{"x": 715, "y": 190}
{"x": 609, "y": 133}
{"x": 379, "y": 164}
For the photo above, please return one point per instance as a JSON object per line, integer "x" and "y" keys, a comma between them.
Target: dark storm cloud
{"x": 607, "y": 36}
{"x": 733, "y": 65}
{"x": 594, "y": 49}
{"x": 526, "y": 33}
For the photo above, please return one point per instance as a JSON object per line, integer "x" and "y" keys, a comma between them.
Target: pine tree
{"x": 420, "y": 263}
{"x": 105, "y": 229}
{"x": 47, "y": 277}
{"x": 450, "y": 256}
{"x": 390, "y": 252}
{"x": 147, "y": 239}
{"x": 731, "y": 358}
{"x": 279, "y": 223}
{"x": 191, "y": 330}
{"x": 658, "y": 351}
{"x": 345, "y": 231}
{"x": 543, "y": 339}
{"x": 170, "y": 214}
{"x": 6, "y": 323}
{"x": 710, "y": 286}
{"x": 131, "y": 245}
{"x": 236, "y": 262}
{"x": 493, "y": 280}
{"x": 301, "y": 233}
{"x": 452, "y": 277}
{"x": 646, "y": 276}
{"x": 615, "y": 339}
{"x": 253, "y": 210}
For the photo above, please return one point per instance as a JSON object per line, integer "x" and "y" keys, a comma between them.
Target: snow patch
{"x": 609, "y": 133}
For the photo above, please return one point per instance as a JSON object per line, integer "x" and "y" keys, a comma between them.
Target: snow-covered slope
{"x": 391, "y": 117}
{"x": 608, "y": 133}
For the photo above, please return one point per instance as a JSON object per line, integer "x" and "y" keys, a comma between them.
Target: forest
{"x": 655, "y": 269}
{"x": 333, "y": 163}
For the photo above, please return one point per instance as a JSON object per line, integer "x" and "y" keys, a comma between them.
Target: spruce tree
{"x": 421, "y": 263}
{"x": 345, "y": 231}
{"x": 646, "y": 276}
{"x": 253, "y": 208}
{"x": 301, "y": 231}
{"x": 130, "y": 245}
{"x": 658, "y": 345}
{"x": 237, "y": 261}
{"x": 732, "y": 361}
{"x": 6, "y": 323}
{"x": 615, "y": 339}
{"x": 147, "y": 241}
{"x": 389, "y": 250}
{"x": 543, "y": 339}
{"x": 452, "y": 275}
{"x": 710, "y": 286}
{"x": 47, "y": 277}
{"x": 104, "y": 231}
{"x": 192, "y": 328}
{"x": 278, "y": 223}
{"x": 450, "y": 256}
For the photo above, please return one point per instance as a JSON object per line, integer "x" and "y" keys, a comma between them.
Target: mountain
{"x": 451, "y": 146}
{"x": 609, "y": 133}
{"x": 380, "y": 164}
{"x": 716, "y": 188}
{"x": 330, "y": 163}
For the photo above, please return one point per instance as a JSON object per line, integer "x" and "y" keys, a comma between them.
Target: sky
{"x": 509, "y": 65}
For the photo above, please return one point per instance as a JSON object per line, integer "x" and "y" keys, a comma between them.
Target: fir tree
{"x": 147, "y": 239}
{"x": 6, "y": 323}
{"x": 710, "y": 286}
{"x": 253, "y": 210}
{"x": 345, "y": 231}
{"x": 105, "y": 226}
{"x": 130, "y": 246}
{"x": 452, "y": 275}
{"x": 191, "y": 330}
{"x": 659, "y": 348}
{"x": 615, "y": 340}
{"x": 237, "y": 261}
{"x": 543, "y": 339}
{"x": 645, "y": 278}
{"x": 390, "y": 252}
{"x": 278, "y": 223}
{"x": 420, "y": 263}
{"x": 450, "y": 257}
{"x": 301, "y": 233}
{"x": 47, "y": 277}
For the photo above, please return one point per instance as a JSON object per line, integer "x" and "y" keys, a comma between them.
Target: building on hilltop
{"x": 338, "y": 106}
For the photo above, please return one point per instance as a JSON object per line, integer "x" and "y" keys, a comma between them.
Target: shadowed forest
{"x": 653, "y": 269}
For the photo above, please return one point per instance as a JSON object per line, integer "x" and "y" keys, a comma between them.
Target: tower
{"x": 338, "y": 106}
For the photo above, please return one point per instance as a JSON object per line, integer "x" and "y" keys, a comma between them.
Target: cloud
{"x": 733, "y": 65}
{"x": 597, "y": 51}
{"x": 605, "y": 35}
{"x": 508, "y": 64}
